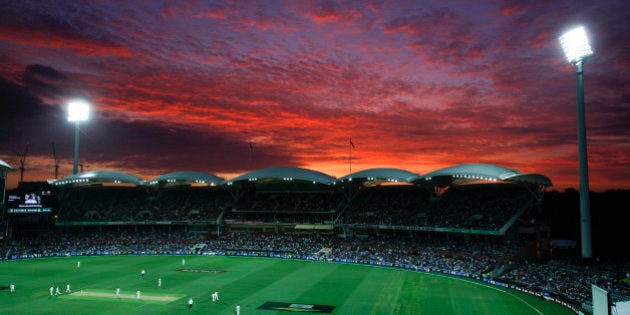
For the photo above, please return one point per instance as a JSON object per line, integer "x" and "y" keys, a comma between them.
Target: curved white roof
{"x": 285, "y": 173}
{"x": 187, "y": 177}
{"x": 5, "y": 166}
{"x": 99, "y": 177}
{"x": 388, "y": 174}
{"x": 488, "y": 172}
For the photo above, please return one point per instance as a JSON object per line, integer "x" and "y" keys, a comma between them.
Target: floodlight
{"x": 78, "y": 111}
{"x": 575, "y": 45}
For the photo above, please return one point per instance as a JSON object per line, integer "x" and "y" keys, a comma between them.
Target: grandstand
{"x": 471, "y": 220}
{"x": 466, "y": 199}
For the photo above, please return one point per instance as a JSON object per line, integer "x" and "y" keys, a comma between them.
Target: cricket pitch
{"x": 143, "y": 297}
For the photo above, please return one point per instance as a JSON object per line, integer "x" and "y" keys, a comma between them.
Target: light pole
{"x": 577, "y": 49}
{"x": 78, "y": 111}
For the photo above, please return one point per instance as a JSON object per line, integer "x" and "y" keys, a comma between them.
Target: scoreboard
{"x": 30, "y": 201}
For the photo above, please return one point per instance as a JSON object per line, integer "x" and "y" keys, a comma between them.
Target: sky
{"x": 228, "y": 87}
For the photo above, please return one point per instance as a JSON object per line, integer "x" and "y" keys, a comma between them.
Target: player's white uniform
{"x": 68, "y": 288}
{"x": 215, "y": 296}
{"x": 78, "y": 264}
{"x": 159, "y": 282}
{"x": 51, "y": 291}
{"x": 57, "y": 292}
{"x": 142, "y": 273}
{"x": 190, "y": 303}
{"x": 12, "y": 287}
{"x": 238, "y": 310}
{"x": 138, "y": 294}
{"x": 118, "y": 292}
{"x": 183, "y": 262}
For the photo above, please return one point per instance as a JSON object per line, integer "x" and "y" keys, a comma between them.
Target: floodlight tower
{"x": 78, "y": 111}
{"x": 577, "y": 49}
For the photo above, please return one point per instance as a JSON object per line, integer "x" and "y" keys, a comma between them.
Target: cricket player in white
{"x": 159, "y": 282}
{"x": 117, "y": 292}
{"x": 57, "y": 292}
{"x": 68, "y": 288}
{"x": 138, "y": 294}
{"x": 79, "y": 264}
{"x": 215, "y": 296}
{"x": 190, "y": 303}
{"x": 183, "y": 261}
{"x": 12, "y": 287}
{"x": 238, "y": 310}
{"x": 51, "y": 290}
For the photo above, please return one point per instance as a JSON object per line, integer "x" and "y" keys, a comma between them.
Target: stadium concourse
{"x": 474, "y": 220}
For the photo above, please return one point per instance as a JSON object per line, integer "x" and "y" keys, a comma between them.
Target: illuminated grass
{"x": 248, "y": 282}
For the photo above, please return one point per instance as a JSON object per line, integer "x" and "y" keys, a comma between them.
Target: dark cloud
{"x": 16, "y": 102}
{"x": 25, "y": 122}
{"x": 43, "y": 81}
{"x": 44, "y": 71}
{"x": 20, "y": 108}
{"x": 153, "y": 145}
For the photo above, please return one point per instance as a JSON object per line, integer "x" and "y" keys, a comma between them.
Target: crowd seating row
{"x": 467, "y": 208}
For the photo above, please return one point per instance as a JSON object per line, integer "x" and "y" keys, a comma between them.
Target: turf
{"x": 248, "y": 282}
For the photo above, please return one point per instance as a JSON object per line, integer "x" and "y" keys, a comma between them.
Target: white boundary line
{"x": 454, "y": 278}
{"x": 489, "y": 287}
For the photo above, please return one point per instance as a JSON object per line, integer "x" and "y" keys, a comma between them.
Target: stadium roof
{"x": 99, "y": 177}
{"x": 4, "y": 166}
{"x": 486, "y": 172}
{"x": 383, "y": 174}
{"x": 454, "y": 175}
{"x": 286, "y": 173}
{"x": 186, "y": 177}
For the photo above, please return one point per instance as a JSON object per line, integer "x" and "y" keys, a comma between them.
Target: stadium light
{"x": 78, "y": 111}
{"x": 577, "y": 49}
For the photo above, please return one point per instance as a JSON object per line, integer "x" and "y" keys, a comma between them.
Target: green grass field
{"x": 248, "y": 282}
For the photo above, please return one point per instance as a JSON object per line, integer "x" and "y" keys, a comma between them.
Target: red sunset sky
{"x": 416, "y": 85}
